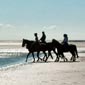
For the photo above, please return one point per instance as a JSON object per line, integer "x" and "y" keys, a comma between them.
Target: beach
{"x": 51, "y": 73}
{"x": 45, "y": 73}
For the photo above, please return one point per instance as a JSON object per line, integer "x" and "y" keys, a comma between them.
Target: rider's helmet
{"x": 65, "y": 35}
{"x": 35, "y": 34}
{"x": 42, "y": 31}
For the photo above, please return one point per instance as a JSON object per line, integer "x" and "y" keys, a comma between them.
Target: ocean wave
{"x": 15, "y": 50}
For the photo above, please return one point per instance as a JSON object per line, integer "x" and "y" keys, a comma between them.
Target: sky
{"x": 22, "y": 18}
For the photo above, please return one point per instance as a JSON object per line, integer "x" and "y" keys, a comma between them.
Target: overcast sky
{"x": 22, "y": 18}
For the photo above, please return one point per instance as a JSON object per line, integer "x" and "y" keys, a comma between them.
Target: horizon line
{"x": 73, "y": 40}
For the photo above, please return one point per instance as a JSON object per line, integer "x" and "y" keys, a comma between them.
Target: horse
{"x": 28, "y": 44}
{"x": 40, "y": 47}
{"x": 61, "y": 49}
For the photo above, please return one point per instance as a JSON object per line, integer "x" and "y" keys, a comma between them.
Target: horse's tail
{"x": 76, "y": 52}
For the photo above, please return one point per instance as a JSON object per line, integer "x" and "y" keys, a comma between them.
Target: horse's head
{"x": 27, "y": 43}
{"x": 55, "y": 43}
{"x": 23, "y": 42}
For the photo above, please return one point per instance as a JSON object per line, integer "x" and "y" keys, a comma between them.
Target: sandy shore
{"x": 50, "y": 73}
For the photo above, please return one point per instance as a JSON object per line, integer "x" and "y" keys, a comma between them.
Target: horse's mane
{"x": 28, "y": 40}
{"x": 55, "y": 40}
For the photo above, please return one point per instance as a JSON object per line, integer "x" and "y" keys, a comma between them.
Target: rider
{"x": 43, "y": 38}
{"x": 36, "y": 43}
{"x": 65, "y": 41}
{"x": 36, "y": 37}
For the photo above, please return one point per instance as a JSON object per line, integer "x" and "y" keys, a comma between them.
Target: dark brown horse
{"x": 61, "y": 49}
{"x": 28, "y": 45}
{"x": 37, "y": 47}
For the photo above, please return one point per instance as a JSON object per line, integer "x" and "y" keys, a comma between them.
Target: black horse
{"x": 39, "y": 47}
{"x": 61, "y": 49}
{"x": 28, "y": 45}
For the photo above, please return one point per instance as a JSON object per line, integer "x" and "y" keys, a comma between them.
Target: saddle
{"x": 37, "y": 45}
{"x": 65, "y": 47}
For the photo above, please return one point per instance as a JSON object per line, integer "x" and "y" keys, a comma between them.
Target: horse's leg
{"x": 50, "y": 54}
{"x": 27, "y": 56}
{"x": 65, "y": 59}
{"x": 73, "y": 58}
{"x": 76, "y": 52}
{"x": 45, "y": 55}
{"x": 38, "y": 56}
{"x": 33, "y": 56}
{"x": 57, "y": 57}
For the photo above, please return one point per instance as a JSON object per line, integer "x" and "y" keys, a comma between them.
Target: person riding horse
{"x": 65, "y": 41}
{"x": 43, "y": 38}
{"x": 36, "y": 43}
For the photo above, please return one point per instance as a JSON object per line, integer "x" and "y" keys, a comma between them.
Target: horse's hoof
{"x": 66, "y": 60}
{"x": 45, "y": 60}
{"x": 41, "y": 59}
{"x": 33, "y": 61}
{"x": 37, "y": 60}
{"x": 26, "y": 61}
{"x": 77, "y": 56}
{"x": 71, "y": 59}
{"x": 55, "y": 61}
{"x": 74, "y": 60}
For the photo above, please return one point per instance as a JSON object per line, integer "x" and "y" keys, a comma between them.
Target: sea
{"x": 13, "y": 54}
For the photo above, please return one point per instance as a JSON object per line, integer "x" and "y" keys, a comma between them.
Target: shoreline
{"x": 50, "y": 73}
